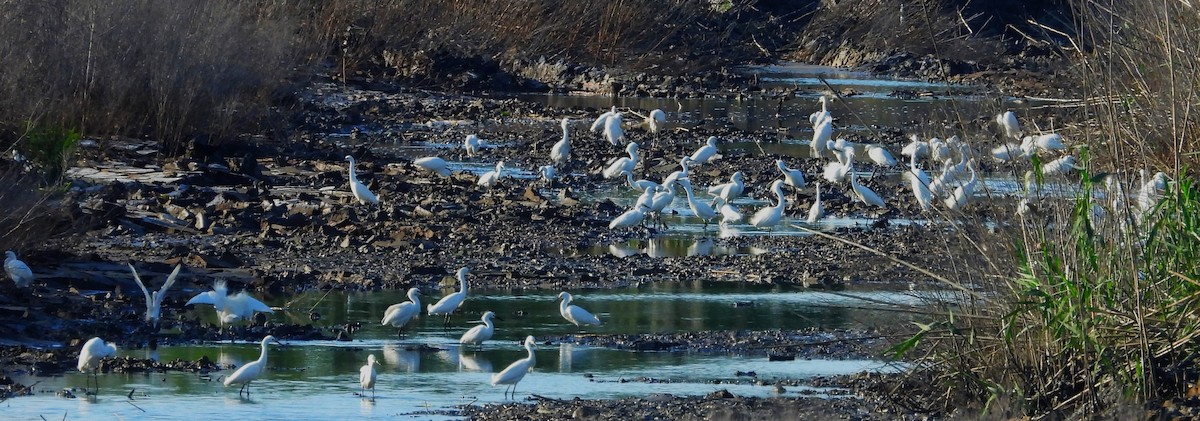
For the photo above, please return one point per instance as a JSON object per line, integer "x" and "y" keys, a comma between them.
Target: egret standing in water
{"x": 623, "y": 164}
{"x": 154, "y": 300}
{"x": 230, "y": 309}
{"x": 770, "y": 216}
{"x": 817, "y": 210}
{"x": 573, "y": 313}
{"x": 548, "y": 173}
{"x": 560, "y": 153}
{"x": 17, "y": 270}
{"x": 251, "y": 370}
{"x": 701, "y": 209}
{"x": 93, "y": 351}
{"x": 791, "y": 177}
{"x": 731, "y": 190}
{"x": 478, "y": 334}
{"x": 706, "y": 152}
{"x": 864, "y": 193}
{"x": 453, "y": 301}
{"x": 632, "y": 217}
{"x": 366, "y": 376}
{"x": 516, "y": 371}
{"x": 360, "y": 190}
{"x": 398, "y": 315}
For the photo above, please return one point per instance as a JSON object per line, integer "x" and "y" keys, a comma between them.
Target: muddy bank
{"x": 774, "y": 344}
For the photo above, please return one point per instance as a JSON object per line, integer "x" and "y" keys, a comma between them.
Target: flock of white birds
{"x": 951, "y": 187}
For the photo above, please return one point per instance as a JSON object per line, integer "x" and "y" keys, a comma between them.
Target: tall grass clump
{"x": 169, "y": 70}
{"x": 1097, "y": 306}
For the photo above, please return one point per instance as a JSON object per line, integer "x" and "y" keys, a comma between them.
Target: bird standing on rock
{"x": 560, "y": 153}
{"x": 434, "y": 164}
{"x": 472, "y": 144}
{"x": 360, "y": 190}
{"x": 17, "y": 270}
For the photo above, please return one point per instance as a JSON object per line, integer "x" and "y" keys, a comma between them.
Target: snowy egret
{"x": 360, "y": 190}
{"x": 230, "y": 308}
{"x": 17, "y": 270}
{"x": 818, "y": 117}
{"x": 1008, "y": 123}
{"x": 731, "y": 190}
{"x": 916, "y": 148}
{"x": 647, "y": 197}
{"x": 478, "y": 334}
{"x": 836, "y": 171}
{"x": 630, "y": 218}
{"x": 729, "y": 212}
{"x": 701, "y": 209}
{"x": 962, "y": 194}
{"x": 1058, "y": 166}
{"x": 560, "y": 153}
{"x": 1045, "y": 142}
{"x": 154, "y": 300}
{"x": 251, "y": 370}
{"x": 639, "y": 185}
{"x": 547, "y": 172}
{"x": 472, "y": 144}
{"x": 706, "y": 152}
{"x": 791, "y": 177}
{"x": 513, "y": 374}
{"x": 490, "y": 178}
{"x": 623, "y": 163}
{"x": 654, "y": 120}
{"x": 89, "y": 358}
{"x": 603, "y": 119}
{"x": 662, "y": 199}
{"x": 613, "y": 131}
{"x": 821, "y": 134}
{"x": 573, "y": 313}
{"x": 1006, "y": 152}
{"x": 920, "y": 184}
{"x": 1150, "y": 191}
{"x": 817, "y": 210}
{"x": 864, "y": 193}
{"x": 400, "y": 314}
{"x": 434, "y": 164}
{"x": 366, "y": 376}
{"x": 770, "y": 216}
{"x": 880, "y": 156}
{"x": 682, "y": 174}
{"x": 453, "y": 301}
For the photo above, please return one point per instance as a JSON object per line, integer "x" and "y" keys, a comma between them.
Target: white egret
{"x": 478, "y": 334}
{"x": 154, "y": 300}
{"x": 916, "y": 148}
{"x": 251, "y": 370}
{"x": 729, "y": 212}
{"x": 90, "y": 355}
{"x": 647, "y": 197}
{"x": 366, "y": 376}
{"x": 791, "y": 177}
{"x": 836, "y": 171}
{"x": 1006, "y": 152}
{"x": 513, "y": 374}
{"x": 662, "y": 199}
{"x": 821, "y": 135}
{"x": 613, "y": 131}
{"x": 398, "y": 315}
{"x": 770, "y": 216}
{"x": 603, "y": 119}
{"x": 945, "y": 178}
{"x": 864, "y": 193}
{"x": 548, "y": 173}
{"x": 701, "y": 209}
{"x": 472, "y": 144}
{"x": 639, "y": 185}
{"x": 938, "y": 150}
{"x": 623, "y": 163}
{"x": 920, "y": 184}
{"x": 1150, "y": 191}
{"x": 706, "y": 152}
{"x": 731, "y": 190}
{"x": 962, "y": 194}
{"x": 630, "y": 218}
{"x": 818, "y": 117}
{"x": 1048, "y": 142}
{"x": 1061, "y": 165}
{"x": 1008, "y": 123}
{"x": 17, "y": 270}
{"x": 230, "y": 308}
{"x": 360, "y": 190}
{"x": 453, "y": 301}
{"x": 560, "y": 153}
{"x": 656, "y": 118}
{"x": 573, "y": 313}
{"x": 880, "y": 156}
{"x": 682, "y": 174}
{"x": 490, "y": 178}
{"x": 817, "y": 210}
{"x": 434, "y": 164}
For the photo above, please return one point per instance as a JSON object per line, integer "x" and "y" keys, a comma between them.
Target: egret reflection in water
{"x": 403, "y": 359}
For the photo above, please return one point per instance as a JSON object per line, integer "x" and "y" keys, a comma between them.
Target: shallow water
{"x": 427, "y": 370}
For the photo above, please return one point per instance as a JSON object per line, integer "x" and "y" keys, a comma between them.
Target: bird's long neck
{"x": 415, "y": 300}
{"x": 487, "y": 321}
{"x": 529, "y": 348}
{"x": 262, "y": 357}
{"x": 353, "y": 177}
{"x": 778, "y": 195}
{"x": 566, "y": 302}
{"x": 462, "y": 283}
{"x": 566, "y": 134}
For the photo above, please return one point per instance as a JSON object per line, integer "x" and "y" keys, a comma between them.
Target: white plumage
{"x": 490, "y": 178}
{"x": 251, "y": 370}
{"x": 17, "y": 270}
{"x": 655, "y": 119}
{"x": 1058, "y": 166}
{"x": 817, "y": 210}
{"x": 360, "y": 190}
{"x": 613, "y": 131}
{"x": 472, "y": 144}
{"x": 573, "y": 313}
{"x": 367, "y": 375}
{"x": 434, "y": 164}
{"x": 154, "y": 300}
{"x": 513, "y": 374}
{"x": 731, "y": 190}
{"x": 701, "y": 209}
{"x": 639, "y": 185}
{"x": 880, "y": 156}
{"x": 630, "y": 218}
{"x": 1008, "y": 123}
{"x": 771, "y": 216}
{"x": 729, "y": 212}
{"x": 623, "y": 163}
{"x": 706, "y": 152}
{"x": 452, "y": 301}
{"x": 603, "y": 119}
{"x": 560, "y": 153}
{"x": 791, "y": 177}
{"x": 398, "y": 315}
{"x": 230, "y": 309}
{"x": 478, "y": 334}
